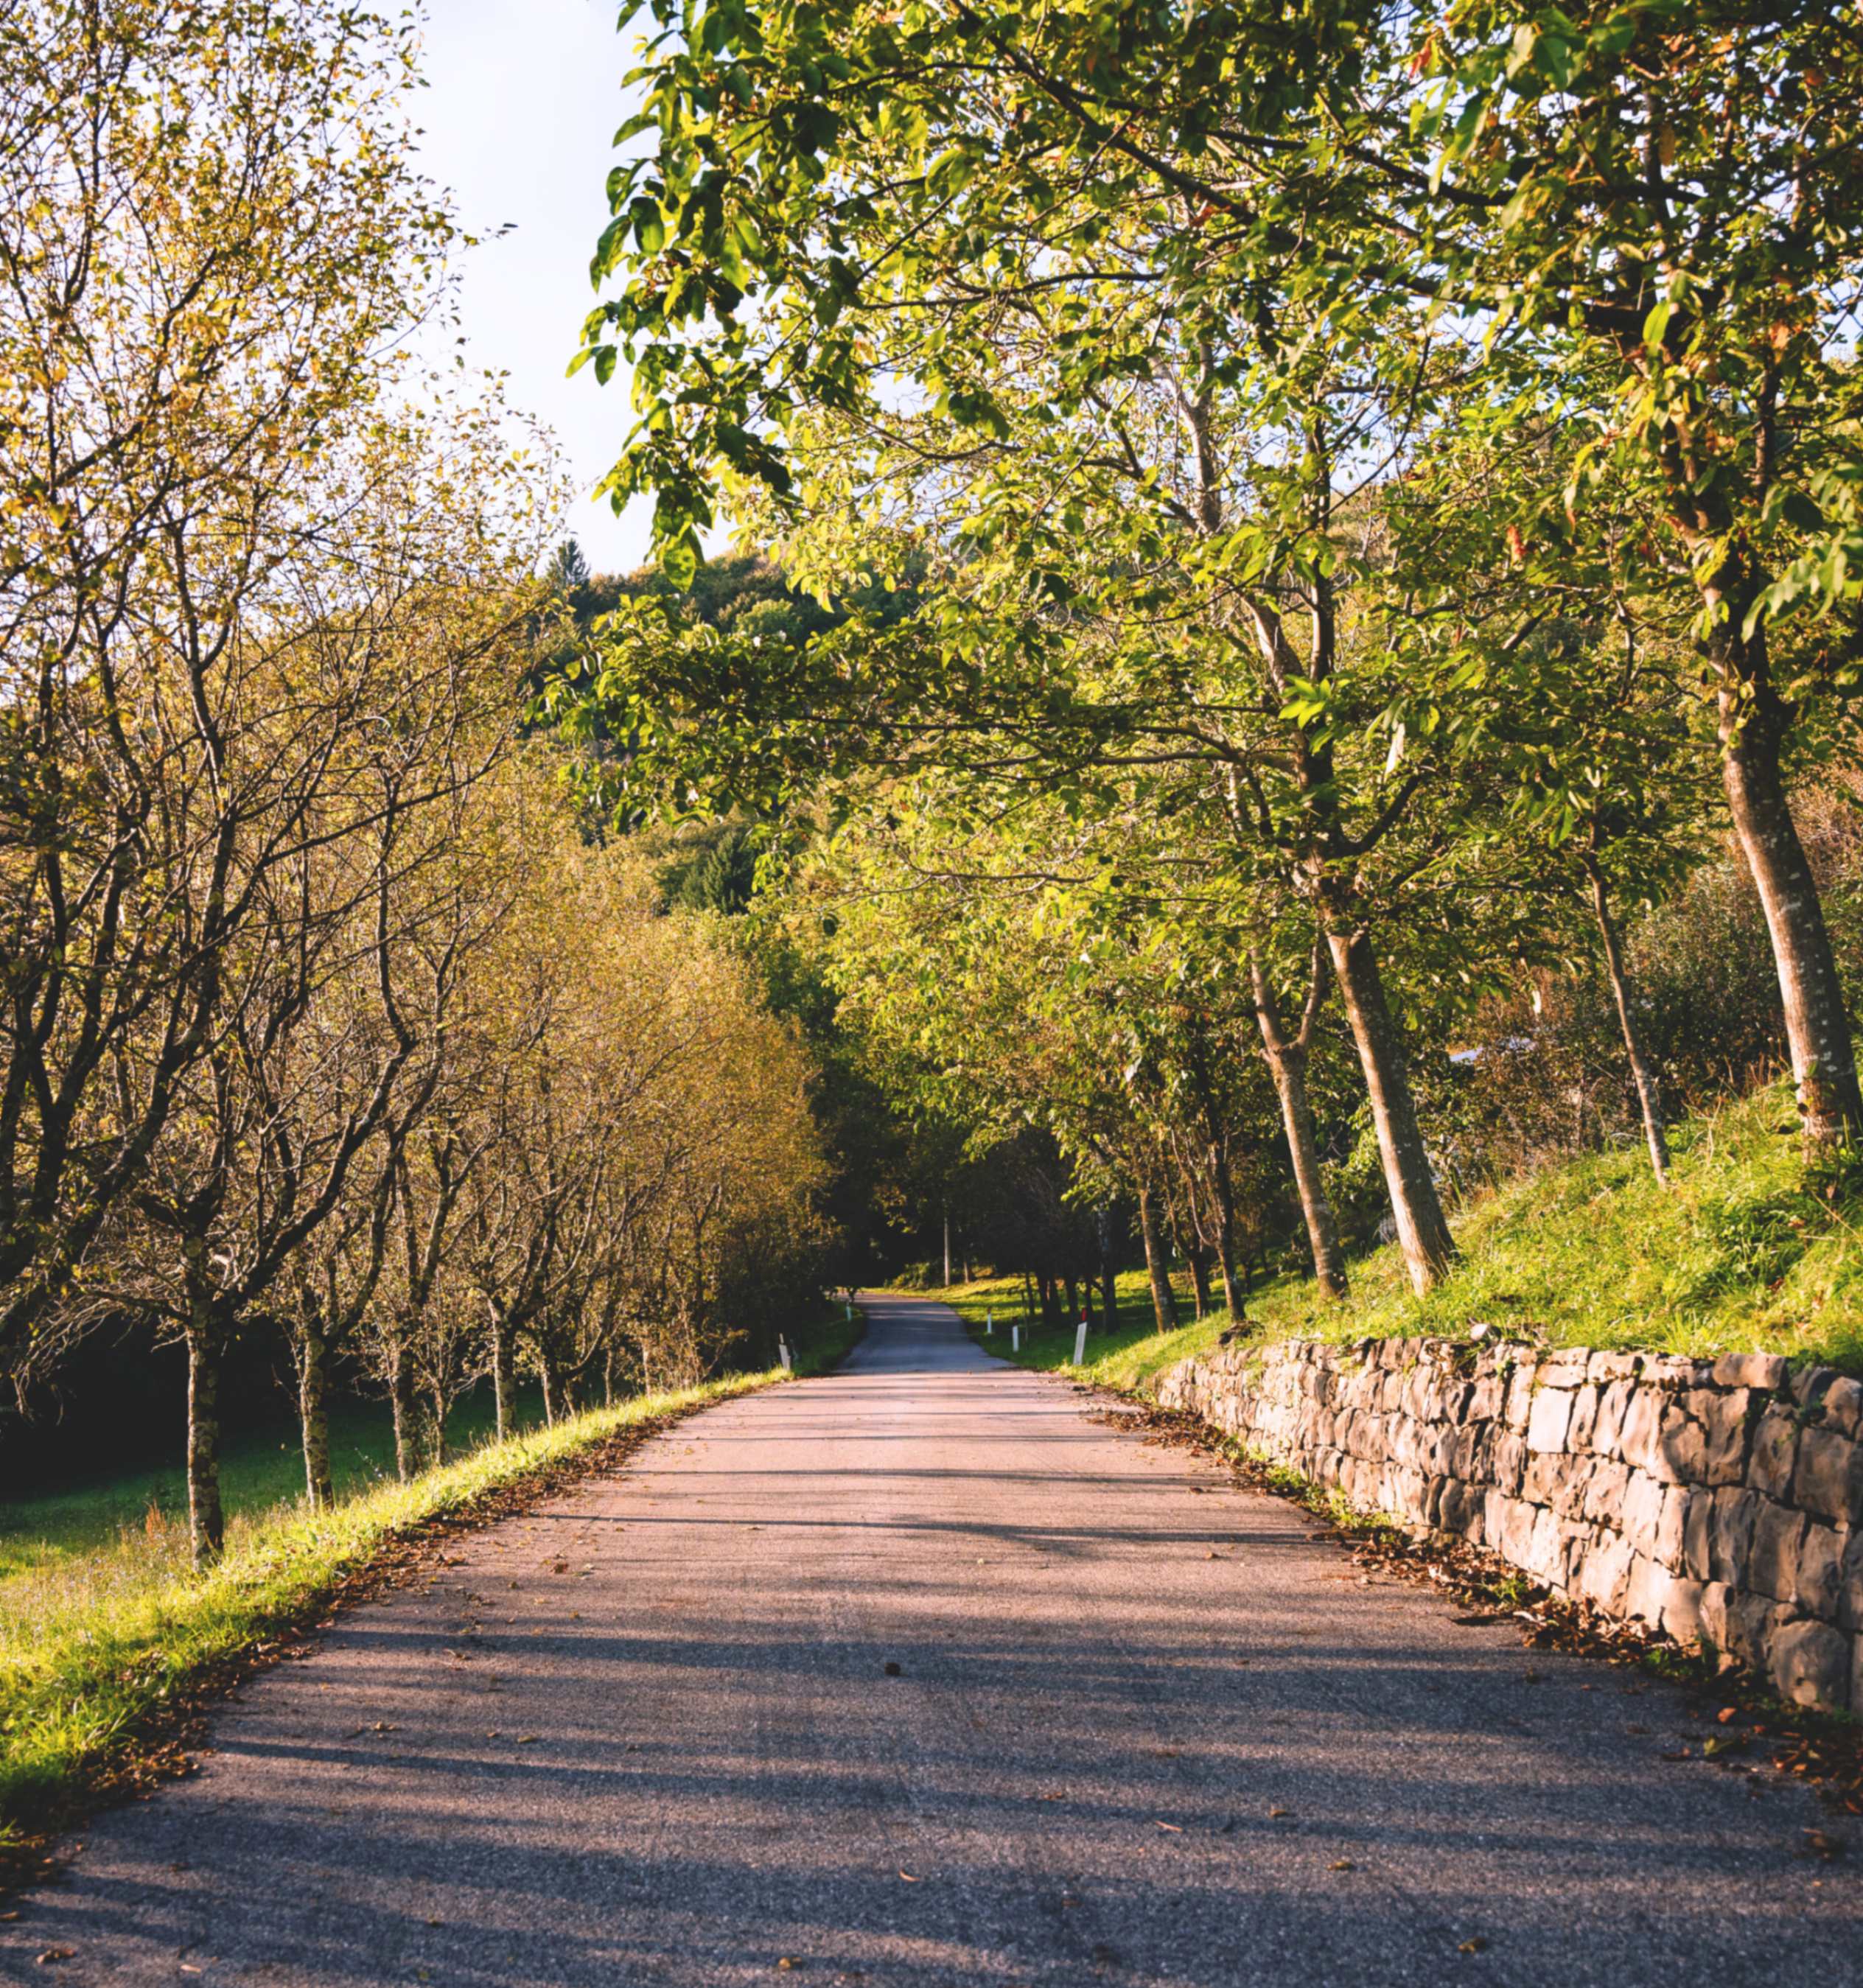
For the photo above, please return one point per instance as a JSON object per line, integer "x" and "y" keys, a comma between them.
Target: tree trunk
{"x": 552, "y": 1387}
{"x": 1649, "y": 1092}
{"x": 504, "y": 1374}
{"x": 206, "y": 1521}
{"x": 1225, "y": 1230}
{"x": 1109, "y": 1275}
{"x": 1286, "y": 1060}
{"x": 438, "y": 1412}
{"x": 401, "y": 1401}
{"x": 1074, "y": 1306}
{"x": 1816, "y": 1027}
{"x": 1164, "y": 1300}
{"x": 1199, "y": 1277}
{"x": 313, "y": 1413}
{"x": 1422, "y": 1231}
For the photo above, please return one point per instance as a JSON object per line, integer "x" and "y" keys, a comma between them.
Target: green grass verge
{"x": 1747, "y": 1250}
{"x": 1125, "y": 1358}
{"x": 90, "y": 1673}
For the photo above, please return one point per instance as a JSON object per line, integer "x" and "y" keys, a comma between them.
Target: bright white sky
{"x": 523, "y": 99}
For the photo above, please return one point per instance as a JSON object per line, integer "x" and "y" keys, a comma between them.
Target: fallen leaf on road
{"x": 52, "y": 1954}
{"x": 1477, "y": 1944}
{"x": 1678, "y": 1753}
{"x": 527, "y": 1739}
{"x": 1343, "y": 1863}
{"x": 892, "y": 1670}
{"x": 907, "y": 1876}
{"x": 1059, "y": 1797}
{"x": 1176, "y": 1829}
{"x": 1274, "y": 1812}
{"x": 1818, "y": 1844}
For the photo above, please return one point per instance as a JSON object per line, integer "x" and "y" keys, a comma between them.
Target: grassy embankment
{"x": 1746, "y": 1251}
{"x": 98, "y": 1641}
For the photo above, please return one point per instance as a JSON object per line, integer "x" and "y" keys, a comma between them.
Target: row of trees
{"x": 1374, "y": 498}
{"x": 321, "y": 1016}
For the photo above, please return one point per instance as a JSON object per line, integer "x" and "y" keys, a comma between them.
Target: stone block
{"x": 1844, "y": 1408}
{"x": 1613, "y": 1406}
{"x": 1774, "y": 1453}
{"x": 1642, "y": 1428}
{"x": 1682, "y": 1609}
{"x": 1605, "y": 1491}
{"x": 1730, "y": 1534}
{"x": 1820, "y": 1570}
{"x": 1548, "y": 1419}
{"x": 1750, "y": 1370}
{"x": 1850, "y": 1584}
{"x": 1549, "y": 1480}
{"x": 1487, "y": 1397}
{"x": 1748, "y": 1628}
{"x": 1828, "y": 1480}
{"x": 1697, "y": 1526}
{"x": 1604, "y": 1367}
{"x": 1772, "y": 1565}
{"x": 1520, "y": 1396}
{"x": 1459, "y": 1509}
{"x": 1647, "y": 1590}
{"x": 1810, "y": 1384}
{"x": 1641, "y": 1512}
{"x": 1584, "y": 1417}
{"x": 1603, "y": 1572}
{"x": 1724, "y": 1418}
{"x": 1507, "y": 1459}
{"x": 1810, "y": 1664}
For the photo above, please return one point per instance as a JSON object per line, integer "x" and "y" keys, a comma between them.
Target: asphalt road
{"x": 1145, "y": 1728}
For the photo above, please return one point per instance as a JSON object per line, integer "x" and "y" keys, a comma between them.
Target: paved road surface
{"x": 1144, "y": 1730}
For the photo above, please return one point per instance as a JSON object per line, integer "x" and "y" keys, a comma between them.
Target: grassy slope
{"x": 84, "y": 1669}
{"x": 1743, "y": 1252}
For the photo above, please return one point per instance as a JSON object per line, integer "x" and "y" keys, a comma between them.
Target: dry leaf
{"x": 907, "y": 1876}
{"x": 1176, "y": 1829}
{"x": 1477, "y": 1944}
{"x": 1343, "y": 1863}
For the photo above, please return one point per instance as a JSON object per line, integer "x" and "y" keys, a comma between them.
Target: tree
{"x": 209, "y": 232}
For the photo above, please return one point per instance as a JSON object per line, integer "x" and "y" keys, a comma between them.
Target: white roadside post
{"x": 782, "y": 1354}
{"x": 1080, "y": 1345}
{"x": 989, "y": 1325}
{"x": 851, "y": 1315}
{"x": 1014, "y": 1338}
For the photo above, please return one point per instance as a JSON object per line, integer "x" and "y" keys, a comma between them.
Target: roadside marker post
{"x": 782, "y": 1354}
{"x": 1080, "y": 1345}
{"x": 989, "y": 1323}
{"x": 1014, "y": 1338}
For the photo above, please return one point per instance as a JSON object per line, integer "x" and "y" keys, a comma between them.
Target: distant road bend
{"x": 1143, "y": 1730}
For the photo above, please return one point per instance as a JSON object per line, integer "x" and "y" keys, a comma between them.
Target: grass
{"x": 1747, "y": 1251}
{"x": 1126, "y": 1358}
{"x": 98, "y": 1645}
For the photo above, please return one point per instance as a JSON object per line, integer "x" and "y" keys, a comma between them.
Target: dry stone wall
{"x": 1718, "y": 1500}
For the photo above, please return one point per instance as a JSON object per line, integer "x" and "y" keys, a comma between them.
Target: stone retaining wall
{"x": 1719, "y": 1500}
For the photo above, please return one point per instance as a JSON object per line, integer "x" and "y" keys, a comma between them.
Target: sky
{"x": 522, "y": 99}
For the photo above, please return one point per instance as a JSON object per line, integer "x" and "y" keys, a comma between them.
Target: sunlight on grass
{"x": 93, "y": 1641}
{"x": 1746, "y": 1251}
